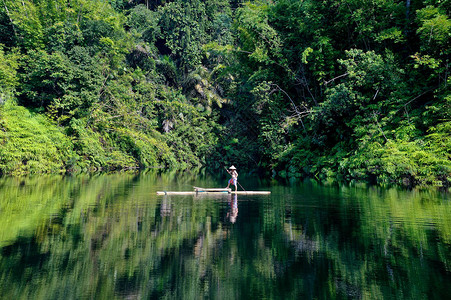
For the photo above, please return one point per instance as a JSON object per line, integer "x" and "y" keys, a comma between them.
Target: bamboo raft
{"x": 213, "y": 191}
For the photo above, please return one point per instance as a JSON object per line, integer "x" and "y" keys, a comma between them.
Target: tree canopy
{"x": 346, "y": 89}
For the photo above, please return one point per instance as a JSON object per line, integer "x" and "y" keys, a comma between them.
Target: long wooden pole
{"x": 240, "y": 185}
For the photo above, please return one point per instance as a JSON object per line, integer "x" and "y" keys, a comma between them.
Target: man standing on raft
{"x": 232, "y": 171}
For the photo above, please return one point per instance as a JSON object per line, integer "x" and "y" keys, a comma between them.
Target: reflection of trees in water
{"x": 105, "y": 236}
{"x": 301, "y": 243}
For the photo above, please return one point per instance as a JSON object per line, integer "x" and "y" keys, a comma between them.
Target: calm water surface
{"x": 112, "y": 237}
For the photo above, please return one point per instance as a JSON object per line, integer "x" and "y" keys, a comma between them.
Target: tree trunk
{"x": 10, "y": 19}
{"x": 407, "y": 10}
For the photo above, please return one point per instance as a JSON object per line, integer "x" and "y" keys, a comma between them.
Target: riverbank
{"x": 34, "y": 144}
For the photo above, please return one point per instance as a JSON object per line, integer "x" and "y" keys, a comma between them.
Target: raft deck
{"x": 213, "y": 191}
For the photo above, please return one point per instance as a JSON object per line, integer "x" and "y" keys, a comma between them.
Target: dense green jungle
{"x": 346, "y": 89}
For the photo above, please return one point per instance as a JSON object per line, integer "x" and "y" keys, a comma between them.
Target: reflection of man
{"x": 233, "y": 213}
{"x": 165, "y": 209}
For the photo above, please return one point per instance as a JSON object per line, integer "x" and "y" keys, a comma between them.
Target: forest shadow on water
{"x": 110, "y": 236}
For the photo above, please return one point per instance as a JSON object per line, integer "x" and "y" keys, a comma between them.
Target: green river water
{"x": 111, "y": 237}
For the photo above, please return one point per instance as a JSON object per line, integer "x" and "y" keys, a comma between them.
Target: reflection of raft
{"x": 213, "y": 191}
